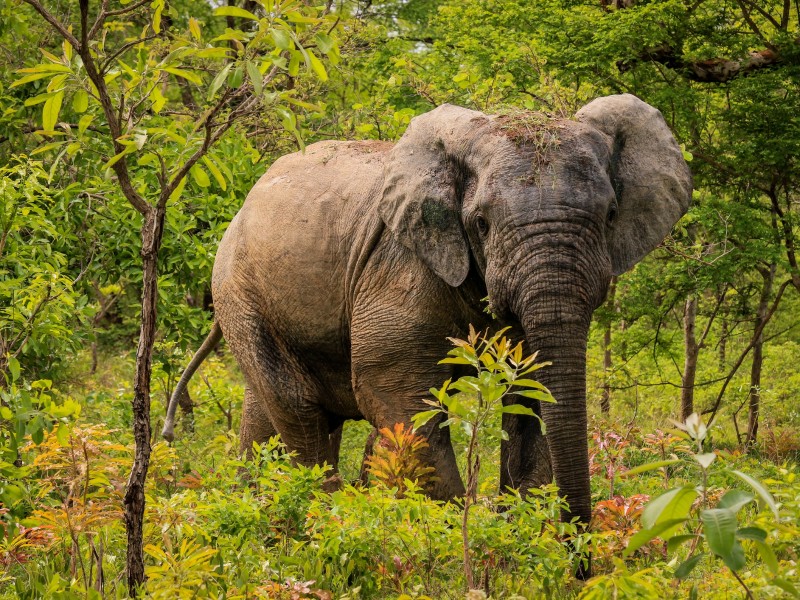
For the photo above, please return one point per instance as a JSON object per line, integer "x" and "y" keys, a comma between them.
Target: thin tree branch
{"x": 756, "y": 333}
{"x": 107, "y": 62}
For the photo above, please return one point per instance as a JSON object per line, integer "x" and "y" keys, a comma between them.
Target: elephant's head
{"x": 545, "y": 211}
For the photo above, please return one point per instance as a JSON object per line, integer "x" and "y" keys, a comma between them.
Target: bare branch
{"x": 756, "y": 334}
{"x": 123, "y": 48}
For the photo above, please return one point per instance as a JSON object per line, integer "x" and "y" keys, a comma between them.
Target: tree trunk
{"x": 692, "y": 350}
{"x": 152, "y": 230}
{"x": 754, "y": 401}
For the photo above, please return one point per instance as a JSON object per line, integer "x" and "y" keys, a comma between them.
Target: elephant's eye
{"x": 482, "y": 225}
{"x": 612, "y": 213}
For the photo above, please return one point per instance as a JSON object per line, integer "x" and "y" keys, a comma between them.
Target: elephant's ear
{"x": 651, "y": 179}
{"x": 421, "y": 201}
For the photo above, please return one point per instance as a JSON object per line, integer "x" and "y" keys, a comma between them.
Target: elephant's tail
{"x": 213, "y": 338}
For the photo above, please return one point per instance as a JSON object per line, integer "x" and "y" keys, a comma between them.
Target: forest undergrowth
{"x": 219, "y": 525}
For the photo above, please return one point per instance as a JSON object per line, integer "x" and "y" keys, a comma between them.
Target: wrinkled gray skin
{"x": 348, "y": 266}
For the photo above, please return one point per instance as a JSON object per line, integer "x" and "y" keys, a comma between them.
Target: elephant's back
{"x": 286, "y": 253}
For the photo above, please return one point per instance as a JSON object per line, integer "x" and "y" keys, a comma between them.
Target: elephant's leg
{"x": 525, "y": 457}
{"x": 282, "y": 391}
{"x": 390, "y": 387}
{"x": 256, "y": 425}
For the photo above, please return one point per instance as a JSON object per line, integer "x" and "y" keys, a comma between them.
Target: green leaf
{"x": 752, "y": 533}
{"x": 759, "y": 489}
{"x": 13, "y": 368}
{"x": 317, "y": 66}
{"x": 5, "y": 413}
{"x": 705, "y": 460}
{"x": 687, "y": 566}
{"x": 158, "y": 99}
{"x": 255, "y": 77}
{"x": 645, "y": 535}
{"x": 735, "y": 499}
{"x": 518, "y": 409}
{"x": 187, "y": 75}
{"x": 50, "y": 111}
{"x": 216, "y": 173}
{"x": 283, "y": 40}
{"x": 29, "y": 78}
{"x": 649, "y": 467}
{"x": 234, "y": 11}
{"x": 80, "y": 101}
{"x": 236, "y": 77}
{"x": 672, "y": 505}
{"x": 219, "y": 80}
{"x": 536, "y": 395}
{"x": 767, "y": 556}
{"x": 423, "y": 417}
{"x": 62, "y": 434}
{"x": 294, "y": 63}
{"x": 719, "y": 527}
{"x": 200, "y": 176}
{"x": 84, "y": 123}
{"x": 676, "y": 541}
{"x": 325, "y": 42}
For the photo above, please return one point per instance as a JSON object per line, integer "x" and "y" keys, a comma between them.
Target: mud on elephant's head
{"x": 544, "y": 212}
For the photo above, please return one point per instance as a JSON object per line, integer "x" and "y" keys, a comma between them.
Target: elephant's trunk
{"x": 555, "y": 307}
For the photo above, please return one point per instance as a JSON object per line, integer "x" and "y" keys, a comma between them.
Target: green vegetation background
{"x": 725, "y": 75}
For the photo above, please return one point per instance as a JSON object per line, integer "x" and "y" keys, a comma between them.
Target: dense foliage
{"x": 186, "y": 107}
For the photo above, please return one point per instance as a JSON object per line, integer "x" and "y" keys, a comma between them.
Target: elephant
{"x": 349, "y": 265}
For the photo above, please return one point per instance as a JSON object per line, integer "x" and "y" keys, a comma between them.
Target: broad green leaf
{"x": 255, "y": 77}
{"x": 676, "y": 541}
{"x": 5, "y": 413}
{"x": 158, "y": 99}
{"x": 705, "y": 460}
{"x": 423, "y": 417}
{"x": 283, "y": 40}
{"x": 219, "y": 80}
{"x": 234, "y": 11}
{"x": 752, "y": 533}
{"x": 194, "y": 28}
{"x": 759, "y": 489}
{"x": 719, "y": 527}
{"x": 39, "y": 99}
{"x": 735, "y": 499}
{"x": 216, "y": 173}
{"x": 13, "y": 368}
{"x": 325, "y": 42}
{"x": 687, "y": 566}
{"x": 317, "y": 66}
{"x": 767, "y": 555}
{"x": 518, "y": 409}
{"x": 46, "y": 68}
{"x": 672, "y": 505}
{"x": 158, "y": 5}
{"x": 187, "y": 75}
{"x": 536, "y": 395}
{"x": 50, "y": 111}
{"x": 62, "y": 434}
{"x": 80, "y": 101}
{"x": 29, "y": 78}
{"x": 649, "y": 467}
{"x": 47, "y": 147}
{"x": 294, "y": 63}
{"x": 176, "y": 194}
{"x": 645, "y": 535}
{"x": 84, "y": 122}
{"x": 200, "y": 176}
{"x": 236, "y": 77}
